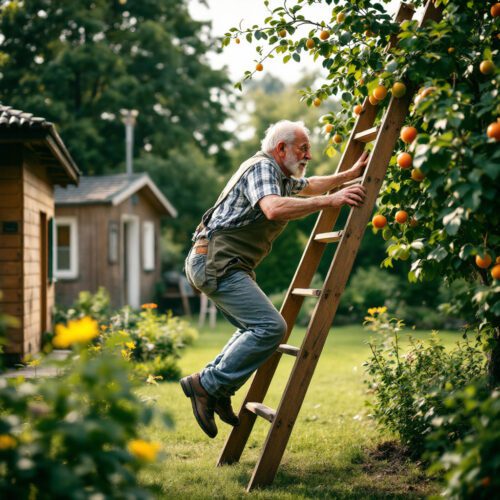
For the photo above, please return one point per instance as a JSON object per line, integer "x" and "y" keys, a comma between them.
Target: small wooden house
{"x": 107, "y": 234}
{"x": 33, "y": 159}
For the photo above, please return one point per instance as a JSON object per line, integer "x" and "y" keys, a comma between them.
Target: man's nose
{"x": 308, "y": 155}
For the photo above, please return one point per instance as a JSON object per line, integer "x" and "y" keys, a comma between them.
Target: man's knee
{"x": 278, "y": 327}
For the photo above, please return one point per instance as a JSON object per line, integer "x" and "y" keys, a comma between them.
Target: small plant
{"x": 410, "y": 388}
{"x": 77, "y": 435}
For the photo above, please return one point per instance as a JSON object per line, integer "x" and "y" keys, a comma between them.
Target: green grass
{"x": 333, "y": 451}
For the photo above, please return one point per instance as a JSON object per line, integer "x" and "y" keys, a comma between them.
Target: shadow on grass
{"x": 383, "y": 472}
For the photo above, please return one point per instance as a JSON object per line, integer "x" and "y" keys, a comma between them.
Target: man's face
{"x": 297, "y": 154}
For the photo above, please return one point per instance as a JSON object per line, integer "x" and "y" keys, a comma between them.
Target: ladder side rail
{"x": 326, "y": 307}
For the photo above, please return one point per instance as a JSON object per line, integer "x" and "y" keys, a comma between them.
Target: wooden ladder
{"x": 283, "y": 419}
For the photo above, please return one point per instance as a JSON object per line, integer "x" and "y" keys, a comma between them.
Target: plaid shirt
{"x": 241, "y": 206}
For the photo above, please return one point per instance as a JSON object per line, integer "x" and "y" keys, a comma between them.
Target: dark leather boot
{"x": 203, "y": 403}
{"x": 225, "y": 411}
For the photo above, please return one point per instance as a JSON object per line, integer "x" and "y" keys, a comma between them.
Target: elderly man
{"x": 233, "y": 238}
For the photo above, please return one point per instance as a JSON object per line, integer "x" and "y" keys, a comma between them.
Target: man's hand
{"x": 353, "y": 196}
{"x": 359, "y": 167}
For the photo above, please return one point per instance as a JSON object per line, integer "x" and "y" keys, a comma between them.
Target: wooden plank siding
{"x": 94, "y": 269}
{"x": 11, "y": 245}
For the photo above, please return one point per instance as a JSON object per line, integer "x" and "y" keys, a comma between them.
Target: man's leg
{"x": 261, "y": 330}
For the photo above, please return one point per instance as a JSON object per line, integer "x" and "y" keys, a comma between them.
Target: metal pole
{"x": 129, "y": 118}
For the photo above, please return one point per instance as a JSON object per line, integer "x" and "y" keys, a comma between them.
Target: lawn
{"x": 335, "y": 450}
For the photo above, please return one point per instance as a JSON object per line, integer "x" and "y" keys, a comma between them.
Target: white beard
{"x": 297, "y": 168}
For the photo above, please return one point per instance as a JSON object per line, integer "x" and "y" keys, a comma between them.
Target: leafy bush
{"x": 409, "y": 389}
{"x": 154, "y": 335}
{"x": 472, "y": 462}
{"x": 75, "y": 436}
{"x": 154, "y": 340}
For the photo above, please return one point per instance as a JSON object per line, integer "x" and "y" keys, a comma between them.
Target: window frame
{"x": 72, "y": 272}
{"x": 148, "y": 246}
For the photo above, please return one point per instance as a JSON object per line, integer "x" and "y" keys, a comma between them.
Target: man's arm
{"x": 284, "y": 208}
{"x": 322, "y": 184}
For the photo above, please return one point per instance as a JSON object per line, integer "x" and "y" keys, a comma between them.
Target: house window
{"x": 148, "y": 246}
{"x": 66, "y": 243}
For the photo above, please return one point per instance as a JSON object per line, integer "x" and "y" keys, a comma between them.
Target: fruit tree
{"x": 451, "y": 137}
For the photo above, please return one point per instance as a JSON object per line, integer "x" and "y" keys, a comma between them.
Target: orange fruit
{"x": 379, "y": 221}
{"x": 413, "y": 222}
{"x": 404, "y": 160}
{"x": 398, "y": 89}
{"x": 495, "y": 10}
{"x": 495, "y": 272}
{"x": 451, "y": 50}
{"x": 337, "y": 138}
{"x": 324, "y": 35}
{"x": 497, "y": 260}
{"x": 340, "y": 17}
{"x": 282, "y": 33}
{"x": 358, "y": 109}
{"x": 408, "y": 134}
{"x": 259, "y": 67}
{"x": 379, "y": 92}
{"x": 401, "y": 216}
{"x": 417, "y": 175}
{"x": 328, "y": 128}
{"x": 373, "y": 100}
{"x": 483, "y": 262}
{"x": 237, "y": 40}
{"x": 317, "y": 102}
{"x": 310, "y": 43}
{"x": 493, "y": 131}
{"x": 486, "y": 67}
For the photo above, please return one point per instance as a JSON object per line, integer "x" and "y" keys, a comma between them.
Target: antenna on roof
{"x": 129, "y": 118}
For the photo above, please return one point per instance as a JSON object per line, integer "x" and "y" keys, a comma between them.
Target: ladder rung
{"x": 288, "y": 349}
{"x": 367, "y": 135}
{"x": 261, "y": 410}
{"x": 306, "y": 292}
{"x": 358, "y": 180}
{"x": 328, "y": 237}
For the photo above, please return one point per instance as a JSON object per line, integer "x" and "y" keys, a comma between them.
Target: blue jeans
{"x": 260, "y": 327}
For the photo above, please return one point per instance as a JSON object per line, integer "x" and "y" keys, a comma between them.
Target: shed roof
{"x": 40, "y": 136}
{"x": 113, "y": 190}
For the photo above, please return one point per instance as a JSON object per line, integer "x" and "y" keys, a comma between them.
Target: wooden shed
{"x": 107, "y": 234}
{"x": 33, "y": 159}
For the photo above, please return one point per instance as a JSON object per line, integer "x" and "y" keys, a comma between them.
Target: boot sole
{"x": 189, "y": 392}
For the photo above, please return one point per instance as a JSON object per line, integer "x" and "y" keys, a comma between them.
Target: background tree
{"x": 451, "y": 195}
{"x": 79, "y": 63}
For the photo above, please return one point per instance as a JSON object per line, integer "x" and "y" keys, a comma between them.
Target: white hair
{"x": 282, "y": 131}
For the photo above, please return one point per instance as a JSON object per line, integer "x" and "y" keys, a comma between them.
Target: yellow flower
{"x": 149, "y": 306}
{"x": 381, "y": 310}
{"x": 7, "y": 442}
{"x": 104, "y": 327}
{"x": 78, "y": 331}
{"x": 130, "y": 345}
{"x": 372, "y": 311}
{"x": 144, "y": 450}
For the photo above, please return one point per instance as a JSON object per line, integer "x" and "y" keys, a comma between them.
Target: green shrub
{"x": 96, "y": 306}
{"x": 409, "y": 388}
{"x": 158, "y": 368}
{"x": 472, "y": 462}
{"x": 75, "y": 436}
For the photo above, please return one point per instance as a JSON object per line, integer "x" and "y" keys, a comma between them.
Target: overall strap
{"x": 242, "y": 170}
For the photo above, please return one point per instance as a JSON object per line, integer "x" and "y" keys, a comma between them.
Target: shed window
{"x": 148, "y": 246}
{"x": 66, "y": 243}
